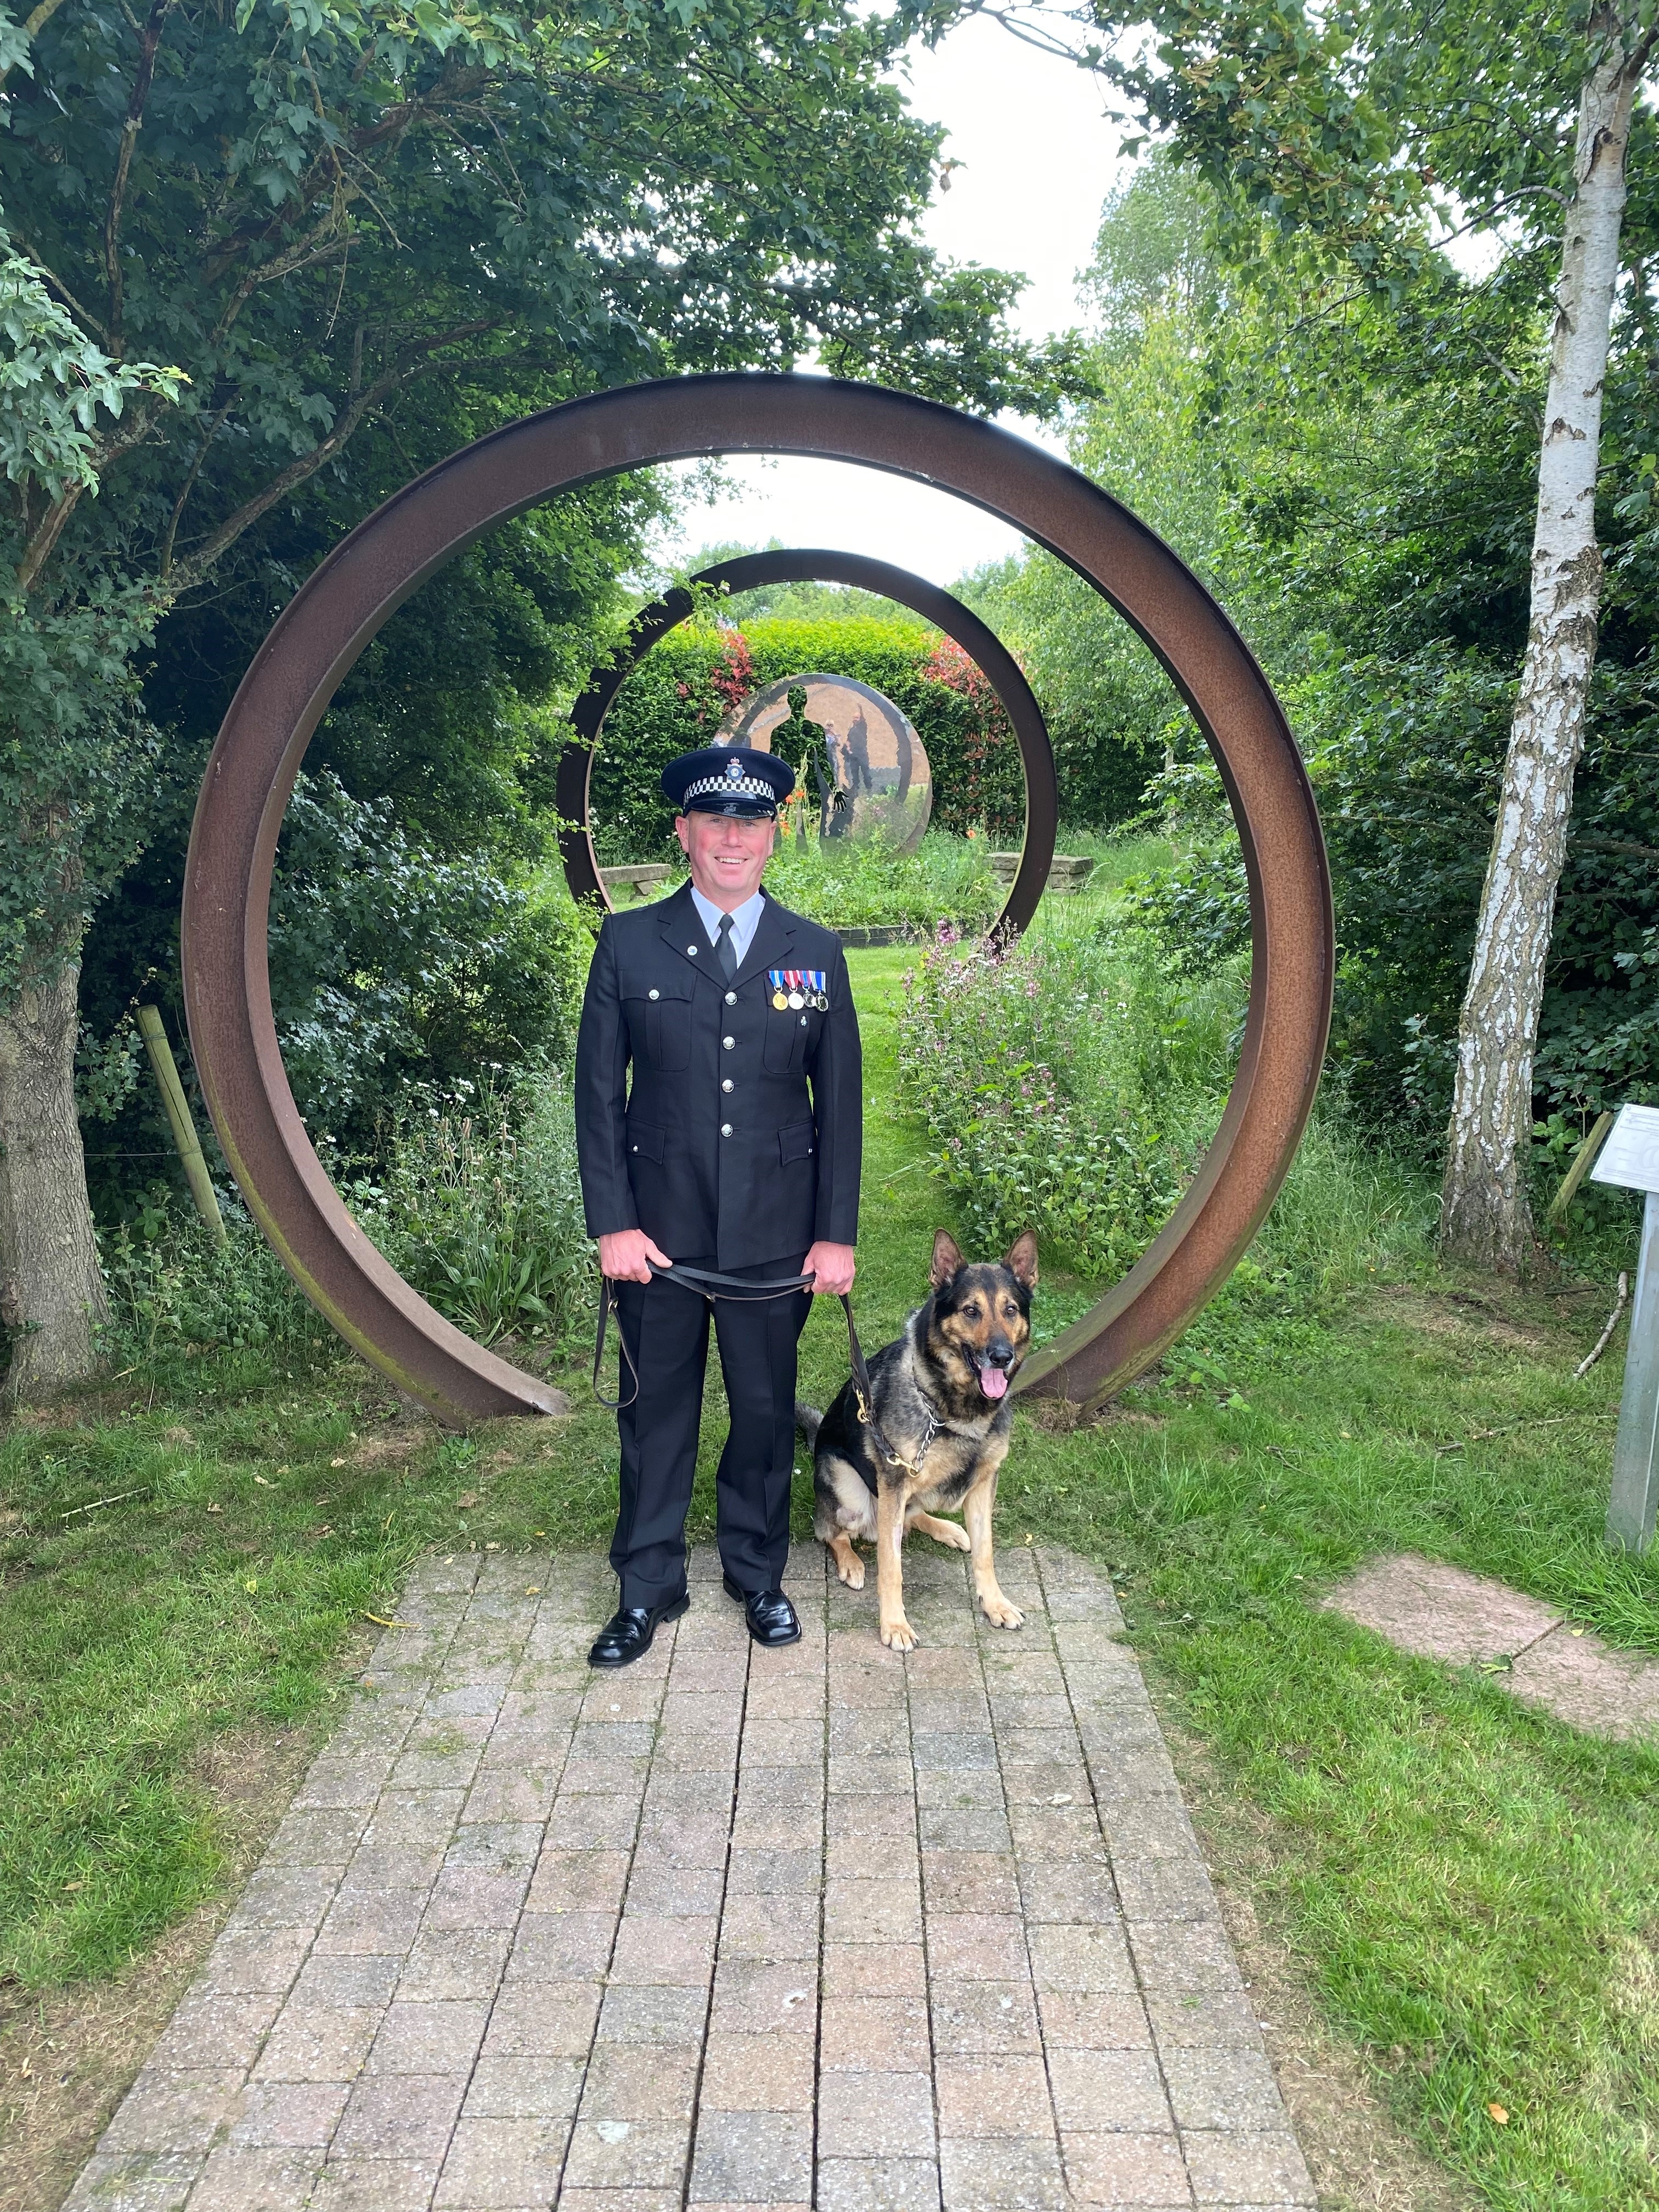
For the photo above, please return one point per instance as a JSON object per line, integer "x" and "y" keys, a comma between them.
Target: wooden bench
{"x": 635, "y": 882}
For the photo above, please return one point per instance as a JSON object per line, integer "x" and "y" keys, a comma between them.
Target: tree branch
{"x": 169, "y": 541}
{"x": 149, "y": 39}
{"x": 316, "y": 245}
{"x": 138, "y": 424}
{"x": 83, "y": 315}
{"x": 409, "y": 365}
{"x": 1627, "y": 847}
{"x": 47, "y": 533}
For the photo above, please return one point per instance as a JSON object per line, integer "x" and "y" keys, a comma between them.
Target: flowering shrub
{"x": 980, "y": 793}
{"x": 1050, "y": 1078}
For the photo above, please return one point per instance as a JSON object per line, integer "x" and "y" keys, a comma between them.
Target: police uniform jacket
{"x": 740, "y": 1137}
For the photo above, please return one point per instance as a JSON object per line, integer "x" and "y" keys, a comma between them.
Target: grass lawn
{"x": 1471, "y": 1890}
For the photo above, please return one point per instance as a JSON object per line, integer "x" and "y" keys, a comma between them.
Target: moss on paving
{"x": 1472, "y": 1886}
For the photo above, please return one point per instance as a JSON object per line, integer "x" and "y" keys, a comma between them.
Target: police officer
{"x": 736, "y": 1148}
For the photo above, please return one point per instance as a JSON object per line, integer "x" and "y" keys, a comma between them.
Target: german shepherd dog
{"x": 941, "y": 1399}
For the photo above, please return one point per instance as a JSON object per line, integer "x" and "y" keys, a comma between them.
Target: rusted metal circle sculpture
{"x": 367, "y": 578}
{"x": 820, "y": 566}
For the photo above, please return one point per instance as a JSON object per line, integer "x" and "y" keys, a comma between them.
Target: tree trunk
{"x": 1486, "y": 1218}
{"x": 52, "y": 1289}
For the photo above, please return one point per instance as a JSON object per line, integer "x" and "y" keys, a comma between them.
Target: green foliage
{"x": 868, "y": 884}
{"x": 1354, "y": 478}
{"x": 76, "y": 751}
{"x": 55, "y": 384}
{"x": 677, "y": 697}
{"x": 474, "y": 1198}
{"x": 390, "y": 966}
{"x": 1065, "y": 1086}
{"x": 480, "y": 1205}
{"x": 172, "y": 1285}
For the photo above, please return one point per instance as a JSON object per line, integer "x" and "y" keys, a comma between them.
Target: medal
{"x": 792, "y": 990}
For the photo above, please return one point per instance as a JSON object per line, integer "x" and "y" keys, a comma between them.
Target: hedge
{"x": 677, "y": 697}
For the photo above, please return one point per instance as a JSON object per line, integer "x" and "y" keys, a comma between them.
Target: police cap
{"x": 728, "y": 780}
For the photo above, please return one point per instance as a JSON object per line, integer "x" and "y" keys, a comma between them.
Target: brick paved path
{"x": 821, "y": 1927}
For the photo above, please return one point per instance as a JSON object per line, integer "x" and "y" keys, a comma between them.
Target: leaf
{"x": 1499, "y": 2115}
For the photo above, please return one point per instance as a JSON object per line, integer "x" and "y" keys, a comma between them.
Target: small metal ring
{"x": 746, "y": 572}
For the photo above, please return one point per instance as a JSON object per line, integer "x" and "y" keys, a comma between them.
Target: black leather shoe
{"x": 772, "y": 1619}
{"x": 627, "y": 1635}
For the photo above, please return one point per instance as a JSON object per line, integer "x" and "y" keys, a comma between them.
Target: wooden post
{"x": 1582, "y": 1161}
{"x": 1630, "y": 1158}
{"x": 178, "y": 1119}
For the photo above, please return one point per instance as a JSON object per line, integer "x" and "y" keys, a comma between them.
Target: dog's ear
{"x": 1021, "y": 1261}
{"x": 947, "y": 1258}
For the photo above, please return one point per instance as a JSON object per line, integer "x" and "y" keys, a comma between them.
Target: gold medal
{"x": 779, "y": 1001}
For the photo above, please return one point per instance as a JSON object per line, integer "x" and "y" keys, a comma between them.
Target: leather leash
{"x": 707, "y": 1283}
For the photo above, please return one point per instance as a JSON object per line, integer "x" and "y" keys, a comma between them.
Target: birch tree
{"x": 1485, "y": 1216}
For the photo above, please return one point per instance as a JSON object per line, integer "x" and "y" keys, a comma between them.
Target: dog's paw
{"x": 851, "y": 1571}
{"x": 950, "y": 1533}
{"x": 998, "y": 1611}
{"x": 898, "y": 1635}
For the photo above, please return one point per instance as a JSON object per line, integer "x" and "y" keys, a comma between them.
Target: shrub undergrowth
{"x": 475, "y": 1201}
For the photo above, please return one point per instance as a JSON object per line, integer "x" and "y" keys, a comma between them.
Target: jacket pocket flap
{"x": 646, "y": 1142}
{"x": 798, "y": 1142}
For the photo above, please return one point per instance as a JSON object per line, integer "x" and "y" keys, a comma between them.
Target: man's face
{"x": 728, "y": 854}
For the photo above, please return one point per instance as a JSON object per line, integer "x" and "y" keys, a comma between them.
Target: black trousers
{"x": 666, "y": 1329}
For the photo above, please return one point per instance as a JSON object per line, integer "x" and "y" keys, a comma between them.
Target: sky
{"x": 1039, "y": 157}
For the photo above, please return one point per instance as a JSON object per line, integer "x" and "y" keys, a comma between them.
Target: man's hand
{"x": 833, "y": 1267}
{"x": 625, "y": 1254}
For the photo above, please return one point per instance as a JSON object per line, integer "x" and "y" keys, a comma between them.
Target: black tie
{"x": 726, "y": 950}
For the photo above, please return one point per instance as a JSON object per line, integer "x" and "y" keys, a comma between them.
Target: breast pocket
{"x": 784, "y": 1045}
{"x": 660, "y": 1023}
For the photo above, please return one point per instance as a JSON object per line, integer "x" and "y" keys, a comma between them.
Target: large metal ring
{"x": 819, "y": 565}
{"x": 366, "y": 579}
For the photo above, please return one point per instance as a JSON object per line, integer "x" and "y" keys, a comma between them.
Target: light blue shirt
{"x": 745, "y": 920}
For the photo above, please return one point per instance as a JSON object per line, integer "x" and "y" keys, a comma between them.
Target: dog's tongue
{"x": 993, "y": 1381}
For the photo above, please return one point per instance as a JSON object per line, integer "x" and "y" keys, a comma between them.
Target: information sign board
{"x": 1630, "y": 1158}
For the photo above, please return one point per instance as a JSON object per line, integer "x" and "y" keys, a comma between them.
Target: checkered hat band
{"x": 731, "y": 787}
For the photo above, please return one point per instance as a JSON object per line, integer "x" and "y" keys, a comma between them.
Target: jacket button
{"x": 654, "y": 994}
{"x": 727, "y": 1085}
{"x": 731, "y": 998}
{"x": 727, "y": 1044}
{"x": 692, "y": 950}
{"x": 726, "y": 1128}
